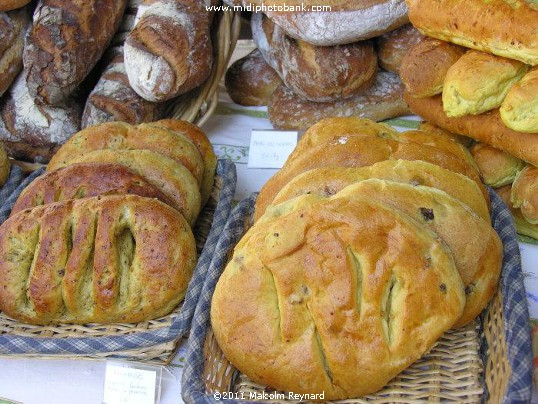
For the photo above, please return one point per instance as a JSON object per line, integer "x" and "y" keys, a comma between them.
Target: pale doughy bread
{"x": 503, "y": 27}
{"x": 424, "y": 67}
{"x": 497, "y": 168}
{"x": 478, "y": 82}
{"x": 316, "y": 308}
{"x": 327, "y": 181}
{"x": 475, "y": 246}
{"x": 519, "y": 110}
{"x": 525, "y": 193}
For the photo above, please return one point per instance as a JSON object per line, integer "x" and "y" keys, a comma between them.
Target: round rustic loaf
{"x": 337, "y": 296}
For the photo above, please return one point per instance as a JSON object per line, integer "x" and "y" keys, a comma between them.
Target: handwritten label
{"x": 129, "y": 386}
{"x": 270, "y": 148}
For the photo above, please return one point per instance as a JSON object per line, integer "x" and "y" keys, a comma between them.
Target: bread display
{"x": 424, "y": 67}
{"x": 33, "y": 132}
{"x": 487, "y": 127}
{"x": 114, "y": 259}
{"x": 13, "y": 26}
{"x": 479, "y": 82}
{"x": 347, "y": 21}
{"x": 381, "y": 101}
{"x": 519, "y": 110}
{"x": 393, "y": 46}
{"x": 6, "y": 5}
{"x": 66, "y": 41}
{"x": 509, "y": 30}
{"x": 525, "y": 193}
{"x": 309, "y": 71}
{"x": 169, "y": 51}
{"x": 351, "y": 319}
{"x": 85, "y": 181}
{"x": 250, "y": 81}
{"x": 113, "y": 99}
{"x": 497, "y": 168}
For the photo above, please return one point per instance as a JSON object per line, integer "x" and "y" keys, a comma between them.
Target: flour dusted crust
{"x": 319, "y": 309}
{"x": 394, "y": 45}
{"x": 347, "y": 22}
{"x": 381, "y": 101}
{"x": 316, "y": 73}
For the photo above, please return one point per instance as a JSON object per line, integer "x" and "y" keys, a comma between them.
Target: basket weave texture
{"x": 150, "y": 341}
{"x": 490, "y": 360}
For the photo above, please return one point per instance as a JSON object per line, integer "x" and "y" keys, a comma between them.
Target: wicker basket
{"x": 488, "y": 360}
{"x": 150, "y": 341}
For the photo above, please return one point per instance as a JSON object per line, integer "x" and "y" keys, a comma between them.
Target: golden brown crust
{"x": 496, "y": 167}
{"x": 66, "y": 40}
{"x": 504, "y": 28}
{"x": 424, "y": 67}
{"x": 433, "y": 129}
{"x": 487, "y": 127}
{"x": 13, "y": 27}
{"x": 525, "y": 193}
{"x": 105, "y": 260}
{"x": 250, "y": 81}
{"x": 85, "y": 181}
{"x": 315, "y": 73}
{"x": 315, "y": 308}
{"x": 519, "y": 110}
{"x": 6, "y": 5}
{"x": 122, "y": 136}
{"x": 167, "y": 175}
{"x": 393, "y": 46}
{"x": 5, "y": 165}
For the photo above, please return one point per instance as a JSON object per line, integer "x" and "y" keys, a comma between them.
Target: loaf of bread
{"x": 167, "y": 175}
{"x": 122, "y": 259}
{"x": 66, "y": 41}
{"x": 393, "y": 46}
{"x": 169, "y": 51}
{"x": 349, "y": 320}
{"x": 478, "y": 82}
{"x": 487, "y": 127}
{"x": 113, "y": 99}
{"x": 250, "y": 81}
{"x": 347, "y": 21}
{"x": 6, "y": 5}
{"x": 434, "y": 130}
{"x": 504, "y": 28}
{"x": 5, "y": 166}
{"x": 525, "y": 193}
{"x": 497, "y": 167}
{"x": 424, "y": 67}
{"x": 13, "y": 27}
{"x": 85, "y": 181}
{"x": 315, "y": 73}
{"x": 34, "y": 132}
{"x": 381, "y": 101}
{"x": 523, "y": 227}
{"x": 519, "y": 110}
{"x": 327, "y": 181}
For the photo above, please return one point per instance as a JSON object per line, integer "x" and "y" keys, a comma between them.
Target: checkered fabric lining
{"x": 516, "y": 316}
{"x": 16, "y": 345}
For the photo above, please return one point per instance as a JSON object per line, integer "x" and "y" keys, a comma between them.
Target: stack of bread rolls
{"x": 105, "y": 234}
{"x": 366, "y": 247}
{"x": 57, "y": 76}
{"x": 342, "y": 62}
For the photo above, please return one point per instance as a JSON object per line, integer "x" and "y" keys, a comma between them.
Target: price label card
{"x": 129, "y": 385}
{"x": 270, "y": 148}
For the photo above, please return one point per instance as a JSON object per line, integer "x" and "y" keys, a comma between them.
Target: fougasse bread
{"x": 121, "y": 259}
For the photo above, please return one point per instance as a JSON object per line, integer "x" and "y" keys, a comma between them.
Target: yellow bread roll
{"x": 478, "y": 82}
{"x": 497, "y": 167}
{"x": 519, "y": 110}
{"x": 525, "y": 193}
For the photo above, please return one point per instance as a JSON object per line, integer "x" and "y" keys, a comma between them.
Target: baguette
{"x": 169, "y": 51}
{"x": 122, "y": 259}
{"x": 381, "y": 101}
{"x": 66, "y": 41}
{"x": 315, "y": 73}
{"x": 13, "y": 27}
{"x": 487, "y": 127}
{"x": 504, "y": 28}
{"x": 113, "y": 99}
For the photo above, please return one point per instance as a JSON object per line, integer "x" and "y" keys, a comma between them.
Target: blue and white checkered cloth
{"x": 17, "y": 345}
{"x": 516, "y": 316}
